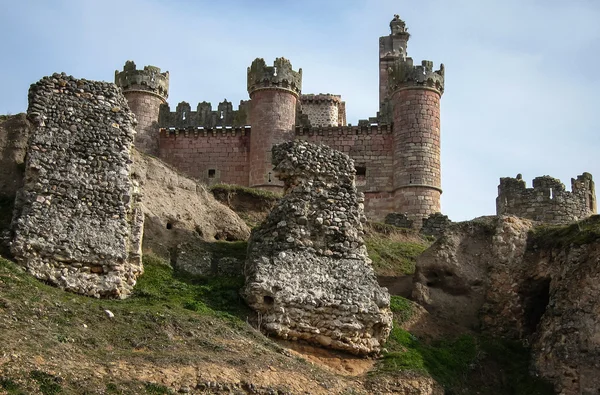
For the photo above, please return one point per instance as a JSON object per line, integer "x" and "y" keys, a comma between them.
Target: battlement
{"x": 403, "y": 74}
{"x": 199, "y": 131}
{"x": 204, "y": 116}
{"x": 278, "y": 76}
{"x": 320, "y": 98}
{"x": 548, "y": 200}
{"x": 374, "y": 128}
{"x": 149, "y": 79}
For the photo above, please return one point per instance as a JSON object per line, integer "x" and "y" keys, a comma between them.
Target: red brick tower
{"x": 414, "y": 95}
{"x": 274, "y": 92}
{"x": 145, "y": 91}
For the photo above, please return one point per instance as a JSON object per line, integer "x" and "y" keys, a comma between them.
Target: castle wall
{"x": 371, "y": 149}
{"x": 547, "y": 201}
{"x": 203, "y": 116}
{"x": 211, "y": 156}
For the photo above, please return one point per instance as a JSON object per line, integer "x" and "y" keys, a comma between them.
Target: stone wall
{"x": 212, "y": 156}
{"x": 77, "y": 220}
{"x": 307, "y": 271}
{"x": 323, "y": 110}
{"x": 547, "y": 201}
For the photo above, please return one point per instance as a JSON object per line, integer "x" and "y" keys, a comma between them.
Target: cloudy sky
{"x": 521, "y": 75}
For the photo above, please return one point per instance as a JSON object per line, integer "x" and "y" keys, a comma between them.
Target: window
{"x": 211, "y": 173}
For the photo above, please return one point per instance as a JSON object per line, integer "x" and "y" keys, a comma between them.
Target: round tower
{"x": 415, "y": 93}
{"x": 145, "y": 90}
{"x": 274, "y": 92}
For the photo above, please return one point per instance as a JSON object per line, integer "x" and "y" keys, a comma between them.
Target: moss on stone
{"x": 561, "y": 236}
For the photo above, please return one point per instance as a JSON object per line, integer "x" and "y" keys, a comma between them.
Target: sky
{"x": 521, "y": 92}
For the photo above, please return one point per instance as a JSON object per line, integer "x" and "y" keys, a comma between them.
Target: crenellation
{"x": 547, "y": 201}
{"x": 280, "y": 76}
{"x": 203, "y": 116}
{"x": 150, "y": 79}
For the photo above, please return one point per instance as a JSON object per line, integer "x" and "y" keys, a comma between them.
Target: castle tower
{"x": 391, "y": 49}
{"x": 145, "y": 91}
{"x": 274, "y": 92}
{"x": 415, "y": 93}
{"x": 324, "y": 109}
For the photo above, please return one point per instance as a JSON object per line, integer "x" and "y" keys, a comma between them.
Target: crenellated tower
{"x": 414, "y": 94}
{"x": 146, "y": 90}
{"x": 274, "y": 92}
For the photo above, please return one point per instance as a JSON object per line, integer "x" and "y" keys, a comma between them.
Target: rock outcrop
{"x": 78, "y": 223}
{"x": 180, "y": 213}
{"x": 307, "y": 272}
{"x": 511, "y": 279}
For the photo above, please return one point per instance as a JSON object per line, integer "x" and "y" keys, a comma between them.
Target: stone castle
{"x": 396, "y": 153}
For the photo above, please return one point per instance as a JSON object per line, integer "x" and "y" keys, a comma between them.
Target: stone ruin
{"x": 77, "y": 221}
{"x": 307, "y": 272}
{"x": 548, "y": 201}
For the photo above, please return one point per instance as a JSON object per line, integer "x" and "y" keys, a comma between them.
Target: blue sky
{"x": 521, "y": 81}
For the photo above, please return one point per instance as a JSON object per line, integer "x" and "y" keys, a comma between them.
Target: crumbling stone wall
{"x": 77, "y": 220}
{"x": 547, "y": 201}
{"x": 307, "y": 272}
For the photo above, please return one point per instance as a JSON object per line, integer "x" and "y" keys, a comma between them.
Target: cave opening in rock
{"x": 268, "y": 300}
{"x": 535, "y": 296}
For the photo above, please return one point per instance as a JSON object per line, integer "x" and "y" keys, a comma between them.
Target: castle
{"x": 396, "y": 153}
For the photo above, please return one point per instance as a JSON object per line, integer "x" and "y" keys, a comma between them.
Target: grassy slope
{"x": 394, "y": 250}
{"x": 58, "y": 342}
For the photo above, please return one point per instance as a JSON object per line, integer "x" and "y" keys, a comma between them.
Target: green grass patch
{"x": 561, "y": 236}
{"x": 48, "y": 384}
{"x": 252, "y": 192}
{"x": 401, "y": 307}
{"x": 392, "y": 257}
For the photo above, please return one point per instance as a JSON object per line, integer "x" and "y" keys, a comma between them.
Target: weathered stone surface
{"x": 180, "y": 213}
{"x": 77, "y": 221}
{"x": 14, "y": 133}
{"x": 307, "y": 272}
{"x": 547, "y": 201}
{"x": 495, "y": 274}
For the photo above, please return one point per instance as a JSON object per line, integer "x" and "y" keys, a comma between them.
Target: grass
{"x": 391, "y": 257}
{"x": 562, "y": 236}
{"x": 252, "y": 192}
{"x": 401, "y": 307}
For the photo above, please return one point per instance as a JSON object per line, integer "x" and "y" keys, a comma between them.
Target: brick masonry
{"x": 417, "y": 179}
{"x": 272, "y": 116}
{"x": 145, "y": 107}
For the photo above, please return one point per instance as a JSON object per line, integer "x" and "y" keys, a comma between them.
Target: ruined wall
{"x": 307, "y": 271}
{"x": 204, "y": 116}
{"x": 77, "y": 222}
{"x": 547, "y": 201}
{"x": 323, "y": 109}
{"x": 211, "y": 156}
{"x": 370, "y": 147}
